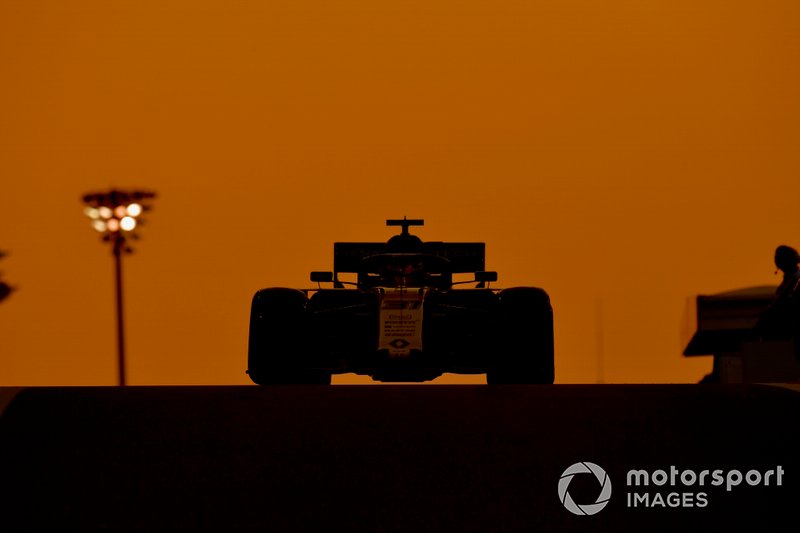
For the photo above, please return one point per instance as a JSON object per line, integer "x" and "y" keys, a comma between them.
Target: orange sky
{"x": 623, "y": 155}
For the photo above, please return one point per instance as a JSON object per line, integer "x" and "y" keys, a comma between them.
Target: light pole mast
{"x": 118, "y": 249}
{"x": 116, "y": 214}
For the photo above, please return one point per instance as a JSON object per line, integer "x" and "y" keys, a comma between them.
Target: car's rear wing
{"x": 463, "y": 256}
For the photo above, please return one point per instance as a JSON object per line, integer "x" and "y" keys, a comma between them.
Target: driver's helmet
{"x": 405, "y": 272}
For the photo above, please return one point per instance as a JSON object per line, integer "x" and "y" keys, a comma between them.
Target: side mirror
{"x": 485, "y": 276}
{"x": 322, "y": 277}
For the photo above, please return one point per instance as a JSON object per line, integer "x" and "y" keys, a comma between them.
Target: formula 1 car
{"x": 401, "y": 318}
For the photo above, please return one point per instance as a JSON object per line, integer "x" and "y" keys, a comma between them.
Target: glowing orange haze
{"x": 623, "y": 155}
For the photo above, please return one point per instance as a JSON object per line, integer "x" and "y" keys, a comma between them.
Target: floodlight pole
{"x": 118, "y": 250}
{"x": 114, "y": 214}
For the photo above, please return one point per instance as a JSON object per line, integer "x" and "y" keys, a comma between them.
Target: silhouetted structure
{"x": 752, "y": 333}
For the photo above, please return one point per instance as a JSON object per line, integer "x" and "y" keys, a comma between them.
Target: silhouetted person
{"x": 780, "y": 320}
{"x": 788, "y": 261}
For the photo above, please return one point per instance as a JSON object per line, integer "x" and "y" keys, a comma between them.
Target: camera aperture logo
{"x": 584, "y": 467}
{"x": 670, "y": 487}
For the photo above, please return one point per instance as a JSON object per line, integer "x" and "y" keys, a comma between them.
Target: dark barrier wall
{"x": 400, "y": 458}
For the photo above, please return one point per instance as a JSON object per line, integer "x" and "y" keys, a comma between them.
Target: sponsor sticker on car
{"x": 401, "y": 321}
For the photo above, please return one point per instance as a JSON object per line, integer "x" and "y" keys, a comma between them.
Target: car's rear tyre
{"x": 278, "y": 352}
{"x": 524, "y": 353}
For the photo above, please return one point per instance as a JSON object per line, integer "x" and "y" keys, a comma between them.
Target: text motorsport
{"x": 671, "y": 488}
{"x": 691, "y": 479}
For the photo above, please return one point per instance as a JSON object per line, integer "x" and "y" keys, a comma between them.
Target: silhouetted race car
{"x": 400, "y": 317}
